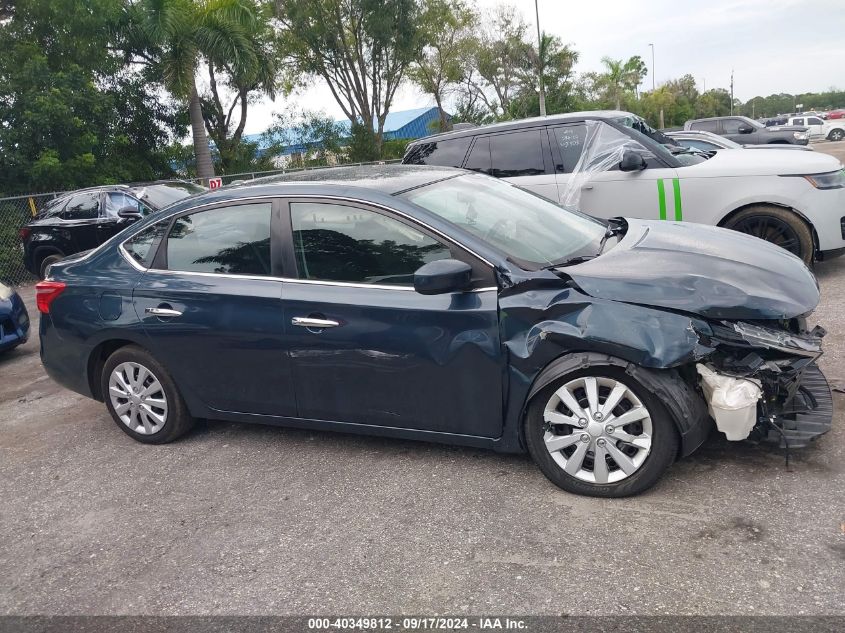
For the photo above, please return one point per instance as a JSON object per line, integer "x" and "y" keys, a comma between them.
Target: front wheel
{"x": 142, "y": 398}
{"x": 599, "y": 432}
{"x": 836, "y": 135}
{"x": 777, "y": 225}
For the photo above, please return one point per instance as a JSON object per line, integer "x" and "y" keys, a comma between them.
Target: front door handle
{"x": 313, "y": 323}
{"x": 163, "y": 312}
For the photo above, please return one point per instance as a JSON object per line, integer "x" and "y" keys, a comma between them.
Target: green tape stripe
{"x": 679, "y": 210}
{"x": 661, "y": 197}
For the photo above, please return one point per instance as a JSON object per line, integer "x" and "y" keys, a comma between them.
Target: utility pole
{"x": 653, "y": 82}
{"x": 732, "y": 91}
{"x": 540, "y": 62}
{"x": 703, "y": 85}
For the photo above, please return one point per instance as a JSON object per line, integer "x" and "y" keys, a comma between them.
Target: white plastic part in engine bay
{"x": 732, "y": 401}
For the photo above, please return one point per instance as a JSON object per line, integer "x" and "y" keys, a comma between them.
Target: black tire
{"x": 836, "y": 135}
{"x": 52, "y": 258}
{"x": 178, "y": 420}
{"x": 777, "y": 225}
{"x": 664, "y": 446}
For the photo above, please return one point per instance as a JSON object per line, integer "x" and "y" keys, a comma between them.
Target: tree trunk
{"x": 542, "y": 97}
{"x": 444, "y": 124}
{"x": 205, "y": 168}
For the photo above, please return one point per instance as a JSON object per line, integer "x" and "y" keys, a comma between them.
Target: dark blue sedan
{"x": 436, "y": 304}
{"x": 14, "y": 319}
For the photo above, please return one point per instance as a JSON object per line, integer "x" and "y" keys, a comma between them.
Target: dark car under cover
{"x": 14, "y": 319}
{"x": 648, "y": 302}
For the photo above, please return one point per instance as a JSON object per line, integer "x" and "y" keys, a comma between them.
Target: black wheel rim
{"x": 771, "y": 229}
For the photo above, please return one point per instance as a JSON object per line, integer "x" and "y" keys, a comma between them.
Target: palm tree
{"x": 177, "y": 34}
{"x": 622, "y": 77}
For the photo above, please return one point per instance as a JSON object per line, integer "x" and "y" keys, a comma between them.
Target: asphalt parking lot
{"x": 257, "y": 520}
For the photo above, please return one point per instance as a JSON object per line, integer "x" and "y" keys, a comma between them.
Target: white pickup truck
{"x": 833, "y": 130}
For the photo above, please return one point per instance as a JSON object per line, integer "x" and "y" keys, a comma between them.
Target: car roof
{"x": 505, "y": 126}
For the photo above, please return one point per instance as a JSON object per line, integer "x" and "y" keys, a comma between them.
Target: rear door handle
{"x": 163, "y": 312}
{"x": 587, "y": 187}
{"x": 313, "y": 323}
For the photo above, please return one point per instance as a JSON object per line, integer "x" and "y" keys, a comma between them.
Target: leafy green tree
{"x": 174, "y": 37}
{"x": 362, "y": 49}
{"x": 445, "y": 59}
{"x": 622, "y": 77}
{"x": 554, "y": 62}
{"x": 320, "y": 136}
{"x": 72, "y": 114}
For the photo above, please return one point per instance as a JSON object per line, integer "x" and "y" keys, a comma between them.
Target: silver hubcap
{"x": 138, "y": 398}
{"x": 597, "y": 430}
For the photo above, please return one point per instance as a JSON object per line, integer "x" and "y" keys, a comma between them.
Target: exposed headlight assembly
{"x": 830, "y": 180}
{"x": 800, "y": 136}
{"x": 779, "y": 340}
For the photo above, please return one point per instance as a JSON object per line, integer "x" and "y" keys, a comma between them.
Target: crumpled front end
{"x": 795, "y": 404}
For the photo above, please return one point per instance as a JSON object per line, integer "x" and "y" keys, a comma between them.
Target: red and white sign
{"x": 215, "y": 183}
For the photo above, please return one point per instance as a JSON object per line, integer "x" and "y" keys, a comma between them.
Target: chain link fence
{"x": 18, "y": 210}
{"x": 14, "y": 213}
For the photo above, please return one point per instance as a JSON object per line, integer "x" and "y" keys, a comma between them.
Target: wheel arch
{"x": 684, "y": 404}
{"x": 97, "y": 360}
{"x": 45, "y": 250}
{"x": 801, "y": 216}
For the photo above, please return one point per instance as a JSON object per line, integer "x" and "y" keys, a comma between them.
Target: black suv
{"x": 84, "y": 219}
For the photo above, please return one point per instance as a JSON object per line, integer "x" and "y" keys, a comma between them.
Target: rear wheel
{"x": 599, "y": 432}
{"x": 142, "y": 398}
{"x": 46, "y": 262}
{"x": 777, "y": 225}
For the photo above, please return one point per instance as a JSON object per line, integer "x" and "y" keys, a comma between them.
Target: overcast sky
{"x": 772, "y": 45}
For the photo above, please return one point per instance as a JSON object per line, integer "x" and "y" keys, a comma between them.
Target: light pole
{"x": 540, "y": 62}
{"x": 653, "y": 82}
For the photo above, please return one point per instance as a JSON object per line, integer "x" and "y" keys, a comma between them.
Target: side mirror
{"x": 129, "y": 213}
{"x": 631, "y": 161}
{"x": 442, "y": 276}
{"x": 745, "y": 129}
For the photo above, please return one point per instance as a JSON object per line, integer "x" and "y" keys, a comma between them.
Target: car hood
{"x": 712, "y": 272}
{"x": 774, "y": 162}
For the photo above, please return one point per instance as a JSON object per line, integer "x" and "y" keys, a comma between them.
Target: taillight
{"x": 24, "y": 233}
{"x": 46, "y": 292}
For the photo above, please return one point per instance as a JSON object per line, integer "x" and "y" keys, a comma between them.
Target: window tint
{"x": 116, "y": 200}
{"x": 814, "y": 121}
{"x": 479, "y": 156}
{"x": 732, "y": 126}
{"x": 339, "y": 243}
{"x": 141, "y": 245}
{"x": 83, "y": 206}
{"x": 797, "y": 121}
{"x": 53, "y": 208}
{"x": 570, "y": 143}
{"x": 232, "y": 240}
{"x": 448, "y": 153}
{"x": 707, "y": 126}
{"x": 517, "y": 154}
{"x": 162, "y": 194}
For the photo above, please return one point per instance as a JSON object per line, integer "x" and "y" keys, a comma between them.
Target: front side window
{"x": 448, "y": 153}
{"x": 527, "y": 228}
{"x": 117, "y": 200}
{"x": 83, "y": 206}
{"x": 570, "y": 144}
{"x": 141, "y": 246}
{"x": 334, "y": 242}
{"x": 732, "y": 125}
{"x": 517, "y": 154}
{"x": 814, "y": 121}
{"x": 232, "y": 240}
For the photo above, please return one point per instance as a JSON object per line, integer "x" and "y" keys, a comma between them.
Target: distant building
{"x": 405, "y": 124}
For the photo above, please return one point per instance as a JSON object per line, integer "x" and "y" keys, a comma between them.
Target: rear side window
{"x": 141, "y": 246}
{"x": 83, "y": 206}
{"x": 339, "y": 243}
{"x": 448, "y": 153}
{"x": 517, "y": 154}
{"x": 479, "y": 156}
{"x": 233, "y": 240}
{"x": 707, "y": 126}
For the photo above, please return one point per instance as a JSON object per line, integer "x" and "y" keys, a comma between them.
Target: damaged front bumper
{"x": 795, "y": 404}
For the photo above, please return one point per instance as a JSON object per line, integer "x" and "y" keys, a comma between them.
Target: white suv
{"x": 609, "y": 164}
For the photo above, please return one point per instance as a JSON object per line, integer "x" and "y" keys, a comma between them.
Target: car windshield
{"x": 529, "y": 229}
{"x": 655, "y": 140}
{"x": 162, "y": 194}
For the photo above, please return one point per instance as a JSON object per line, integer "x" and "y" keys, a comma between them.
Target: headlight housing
{"x": 800, "y": 136}
{"x": 830, "y": 180}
